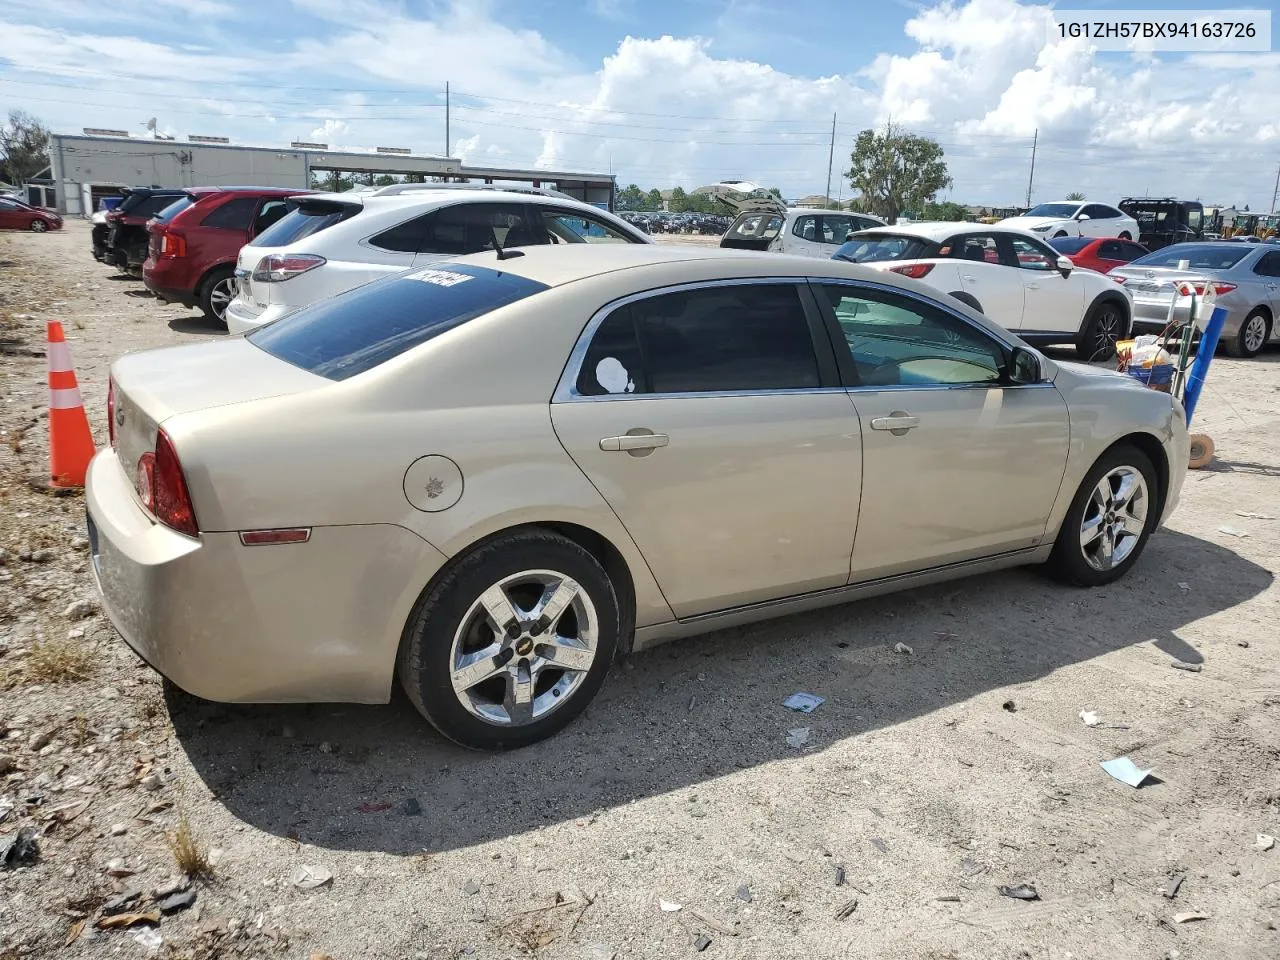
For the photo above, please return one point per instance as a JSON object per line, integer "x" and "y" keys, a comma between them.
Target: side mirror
{"x": 1065, "y": 266}
{"x": 1024, "y": 367}
{"x": 1082, "y": 216}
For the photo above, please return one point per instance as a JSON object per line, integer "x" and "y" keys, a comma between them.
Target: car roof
{"x": 555, "y": 266}
{"x": 443, "y": 195}
{"x": 941, "y": 230}
{"x": 265, "y": 191}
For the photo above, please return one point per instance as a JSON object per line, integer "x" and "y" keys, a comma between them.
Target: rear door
{"x": 465, "y": 228}
{"x": 987, "y": 276}
{"x": 804, "y": 237}
{"x": 1268, "y": 270}
{"x": 711, "y": 419}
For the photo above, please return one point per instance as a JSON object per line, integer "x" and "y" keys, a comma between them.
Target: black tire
{"x": 1246, "y": 343}
{"x": 1105, "y": 324}
{"x": 1069, "y": 562}
{"x": 424, "y": 665}
{"x": 1124, "y": 235}
{"x": 967, "y": 299}
{"x": 216, "y": 293}
{"x": 1059, "y": 234}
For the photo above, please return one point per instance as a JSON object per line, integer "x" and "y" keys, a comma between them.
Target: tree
{"x": 24, "y": 147}
{"x": 632, "y": 198}
{"x": 653, "y": 199}
{"x": 896, "y": 171}
{"x": 1076, "y": 197}
{"x": 946, "y": 211}
{"x": 678, "y": 200}
{"x": 384, "y": 180}
{"x": 775, "y": 192}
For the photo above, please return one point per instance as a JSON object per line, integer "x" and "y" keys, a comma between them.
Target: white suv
{"x": 332, "y": 242}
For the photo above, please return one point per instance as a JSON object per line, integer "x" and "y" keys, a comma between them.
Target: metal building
{"x": 97, "y": 163}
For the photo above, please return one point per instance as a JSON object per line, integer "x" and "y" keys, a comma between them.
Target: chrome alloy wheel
{"x": 1255, "y": 333}
{"x": 1114, "y": 518}
{"x": 524, "y": 647}
{"x": 1106, "y": 333}
{"x": 220, "y": 297}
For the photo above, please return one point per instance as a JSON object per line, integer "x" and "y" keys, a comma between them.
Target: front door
{"x": 1051, "y": 303}
{"x": 723, "y": 443}
{"x": 957, "y": 464}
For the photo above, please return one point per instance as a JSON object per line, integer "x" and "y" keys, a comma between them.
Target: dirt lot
{"x": 928, "y": 778}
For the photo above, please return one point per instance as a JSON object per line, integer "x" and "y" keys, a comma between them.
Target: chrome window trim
{"x": 567, "y": 388}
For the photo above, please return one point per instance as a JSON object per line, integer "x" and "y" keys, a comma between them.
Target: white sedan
{"x": 1070, "y": 218}
{"x": 1011, "y": 276}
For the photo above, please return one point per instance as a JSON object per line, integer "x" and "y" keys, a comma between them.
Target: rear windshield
{"x": 173, "y": 209}
{"x": 356, "y": 331}
{"x": 1070, "y": 244}
{"x": 873, "y": 248}
{"x": 1201, "y": 256}
{"x": 303, "y": 221}
{"x": 147, "y": 205}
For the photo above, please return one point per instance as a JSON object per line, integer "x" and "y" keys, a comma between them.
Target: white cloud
{"x": 331, "y": 132}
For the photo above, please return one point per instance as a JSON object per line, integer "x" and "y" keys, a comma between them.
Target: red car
{"x": 16, "y": 215}
{"x": 194, "y": 241}
{"x": 1103, "y": 254}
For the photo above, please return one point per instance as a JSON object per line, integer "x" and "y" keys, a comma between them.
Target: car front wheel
{"x": 513, "y": 642}
{"x": 1112, "y": 516}
{"x": 1251, "y": 338}
{"x": 39, "y": 226}
{"x": 1102, "y": 328}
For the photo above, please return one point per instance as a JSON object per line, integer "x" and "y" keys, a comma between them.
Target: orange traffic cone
{"x": 70, "y": 442}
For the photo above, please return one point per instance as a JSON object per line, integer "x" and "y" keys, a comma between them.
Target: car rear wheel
{"x": 1252, "y": 336}
{"x": 1109, "y": 521}
{"x": 39, "y": 226}
{"x": 1102, "y": 328}
{"x": 512, "y": 643}
{"x": 1125, "y": 235}
{"x": 217, "y": 292}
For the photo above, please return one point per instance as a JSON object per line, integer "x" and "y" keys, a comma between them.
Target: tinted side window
{"x": 898, "y": 341}
{"x": 806, "y": 228}
{"x": 1268, "y": 266}
{"x": 612, "y": 362}
{"x": 271, "y": 212}
{"x": 1131, "y": 251}
{"x": 836, "y": 229}
{"x": 406, "y": 237}
{"x": 304, "y": 221}
{"x": 715, "y": 339}
{"x": 471, "y": 227}
{"x": 981, "y": 248}
{"x": 152, "y": 205}
{"x": 564, "y": 226}
{"x": 1111, "y": 250}
{"x": 235, "y": 214}
{"x": 1097, "y": 211}
{"x": 1031, "y": 256}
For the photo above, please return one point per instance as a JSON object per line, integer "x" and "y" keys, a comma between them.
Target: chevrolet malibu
{"x": 490, "y": 478}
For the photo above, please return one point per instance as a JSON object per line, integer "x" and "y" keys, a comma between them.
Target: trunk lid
{"x": 154, "y": 385}
{"x": 1155, "y": 284}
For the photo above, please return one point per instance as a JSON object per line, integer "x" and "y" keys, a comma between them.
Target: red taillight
{"x": 111, "y": 410}
{"x": 279, "y": 267}
{"x": 915, "y": 271}
{"x": 172, "y": 245}
{"x": 163, "y": 488}
{"x": 1186, "y": 288}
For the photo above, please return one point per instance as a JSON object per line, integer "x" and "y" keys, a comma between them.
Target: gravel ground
{"x": 928, "y": 779}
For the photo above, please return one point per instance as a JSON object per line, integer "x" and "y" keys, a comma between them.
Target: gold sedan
{"x": 493, "y": 477}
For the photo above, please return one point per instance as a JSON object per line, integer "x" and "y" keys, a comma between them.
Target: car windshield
{"x": 356, "y": 331}
{"x": 1199, "y": 256}
{"x": 1070, "y": 244}
{"x": 173, "y": 209}
{"x": 872, "y": 248}
{"x": 304, "y": 221}
{"x": 1060, "y": 210}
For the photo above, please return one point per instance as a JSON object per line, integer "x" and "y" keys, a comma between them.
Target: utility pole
{"x": 447, "y": 141}
{"x": 1031, "y": 179}
{"x": 831, "y": 156}
{"x": 1275, "y": 194}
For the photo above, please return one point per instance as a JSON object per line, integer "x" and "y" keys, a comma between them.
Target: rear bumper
{"x": 317, "y": 621}
{"x": 1151, "y": 316}
{"x": 241, "y": 318}
{"x": 167, "y": 293}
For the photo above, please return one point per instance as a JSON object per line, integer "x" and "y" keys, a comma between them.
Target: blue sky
{"x": 665, "y": 91}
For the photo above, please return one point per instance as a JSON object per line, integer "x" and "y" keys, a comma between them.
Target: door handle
{"x": 635, "y": 441}
{"x": 1033, "y": 286}
{"x": 897, "y": 423}
{"x": 970, "y": 279}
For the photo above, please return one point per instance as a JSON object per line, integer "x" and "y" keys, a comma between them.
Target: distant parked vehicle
{"x": 1067, "y": 218}
{"x": 1246, "y": 279}
{"x": 16, "y": 215}
{"x": 769, "y": 224}
{"x": 1164, "y": 221}
{"x": 101, "y": 225}
{"x": 1011, "y": 276}
{"x": 126, "y": 244}
{"x": 331, "y": 242}
{"x": 1096, "y": 253}
{"x": 194, "y": 242}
